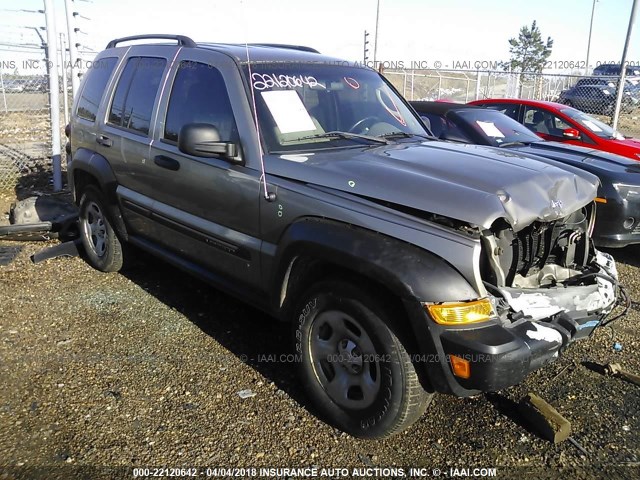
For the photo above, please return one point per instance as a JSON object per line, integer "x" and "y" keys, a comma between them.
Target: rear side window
{"x": 199, "y": 95}
{"x": 136, "y": 93}
{"x": 94, "y": 87}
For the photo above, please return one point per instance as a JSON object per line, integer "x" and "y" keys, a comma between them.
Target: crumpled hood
{"x": 471, "y": 183}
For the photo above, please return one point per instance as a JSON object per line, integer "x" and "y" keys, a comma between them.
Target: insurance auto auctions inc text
{"x": 361, "y": 472}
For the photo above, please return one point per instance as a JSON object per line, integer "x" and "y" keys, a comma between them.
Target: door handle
{"x": 104, "y": 141}
{"x": 167, "y": 162}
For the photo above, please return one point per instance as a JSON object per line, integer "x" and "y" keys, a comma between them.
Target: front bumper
{"x": 609, "y": 231}
{"x": 501, "y": 353}
{"x": 501, "y": 357}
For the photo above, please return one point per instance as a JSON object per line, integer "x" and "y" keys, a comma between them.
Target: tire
{"x": 101, "y": 244}
{"x": 352, "y": 364}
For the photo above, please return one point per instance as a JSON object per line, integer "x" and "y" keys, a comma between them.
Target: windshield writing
{"x": 298, "y": 104}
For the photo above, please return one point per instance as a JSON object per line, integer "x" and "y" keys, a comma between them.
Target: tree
{"x": 529, "y": 52}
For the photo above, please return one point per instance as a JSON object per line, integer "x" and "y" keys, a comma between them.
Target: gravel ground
{"x": 100, "y": 371}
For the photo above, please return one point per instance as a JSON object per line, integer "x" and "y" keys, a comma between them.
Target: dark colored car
{"x": 560, "y": 123}
{"x": 618, "y": 217}
{"x": 310, "y": 189}
{"x": 631, "y": 86}
{"x": 598, "y": 99}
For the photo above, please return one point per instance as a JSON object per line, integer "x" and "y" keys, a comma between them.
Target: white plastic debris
{"x": 247, "y": 393}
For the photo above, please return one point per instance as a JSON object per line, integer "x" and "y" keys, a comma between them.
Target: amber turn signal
{"x": 461, "y": 367}
{"x": 461, "y": 313}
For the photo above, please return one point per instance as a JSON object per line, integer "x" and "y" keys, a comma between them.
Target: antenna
{"x": 268, "y": 196}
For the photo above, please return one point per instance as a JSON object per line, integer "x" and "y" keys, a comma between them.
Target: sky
{"x": 445, "y": 33}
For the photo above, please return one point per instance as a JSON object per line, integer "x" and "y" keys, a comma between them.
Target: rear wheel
{"x": 353, "y": 365}
{"x": 101, "y": 244}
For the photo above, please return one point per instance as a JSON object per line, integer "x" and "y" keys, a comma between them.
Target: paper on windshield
{"x": 591, "y": 126}
{"x": 288, "y": 111}
{"x": 490, "y": 129}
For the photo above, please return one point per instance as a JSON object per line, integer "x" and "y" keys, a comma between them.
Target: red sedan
{"x": 560, "y": 123}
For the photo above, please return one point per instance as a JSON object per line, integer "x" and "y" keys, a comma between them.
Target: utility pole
{"x": 375, "y": 38}
{"x": 73, "y": 52}
{"x": 623, "y": 66}
{"x": 593, "y": 11}
{"x": 54, "y": 93}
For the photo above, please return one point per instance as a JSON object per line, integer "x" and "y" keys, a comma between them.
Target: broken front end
{"x": 548, "y": 286}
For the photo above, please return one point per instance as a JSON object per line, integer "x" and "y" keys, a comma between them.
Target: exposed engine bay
{"x": 548, "y": 268}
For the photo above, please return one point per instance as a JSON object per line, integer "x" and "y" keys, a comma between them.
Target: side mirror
{"x": 203, "y": 140}
{"x": 571, "y": 133}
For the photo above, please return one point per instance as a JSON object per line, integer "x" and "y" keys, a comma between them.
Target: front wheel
{"x": 101, "y": 244}
{"x": 353, "y": 365}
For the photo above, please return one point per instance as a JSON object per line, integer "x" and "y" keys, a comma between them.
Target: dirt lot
{"x": 103, "y": 372}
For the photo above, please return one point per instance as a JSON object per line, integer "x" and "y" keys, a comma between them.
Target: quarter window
{"x": 136, "y": 93}
{"x": 94, "y": 87}
{"x": 199, "y": 95}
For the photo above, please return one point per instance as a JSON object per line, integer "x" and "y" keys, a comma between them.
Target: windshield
{"x": 594, "y": 125}
{"x": 495, "y": 127}
{"x": 303, "y": 106}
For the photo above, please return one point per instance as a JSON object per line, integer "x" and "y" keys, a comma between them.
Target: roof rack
{"x": 181, "y": 39}
{"x": 302, "y": 48}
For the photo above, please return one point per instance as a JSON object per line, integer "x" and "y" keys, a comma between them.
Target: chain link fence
{"x": 25, "y": 128}
{"x": 595, "y": 95}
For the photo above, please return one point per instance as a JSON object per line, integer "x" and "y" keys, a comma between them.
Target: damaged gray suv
{"x": 309, "y": 188}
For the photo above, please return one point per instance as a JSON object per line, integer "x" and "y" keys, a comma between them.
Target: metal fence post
{"x": 4, "y": 95}
{"x": 54, "y": 93}
{"x": 623, "y": 67}
{"x": 413, "y": 74}
{"x": 65, "y": 93}
{"x": 478, "y": 84}
{"x": 404, "y": 84}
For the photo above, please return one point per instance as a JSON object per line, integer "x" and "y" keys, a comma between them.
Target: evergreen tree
{"x": 529, "y": 52}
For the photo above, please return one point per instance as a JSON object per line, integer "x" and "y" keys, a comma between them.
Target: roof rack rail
{"x": 182, "y": 40}
{"x": 302, "y": 48}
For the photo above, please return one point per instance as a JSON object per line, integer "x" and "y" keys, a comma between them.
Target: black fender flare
{"x": 98, "y": 167}
{"x": 409, "y": 272}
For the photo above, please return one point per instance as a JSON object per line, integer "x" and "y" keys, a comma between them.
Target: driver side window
{"x": 199, "y": 95}
{"x": 542, "y": 121}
